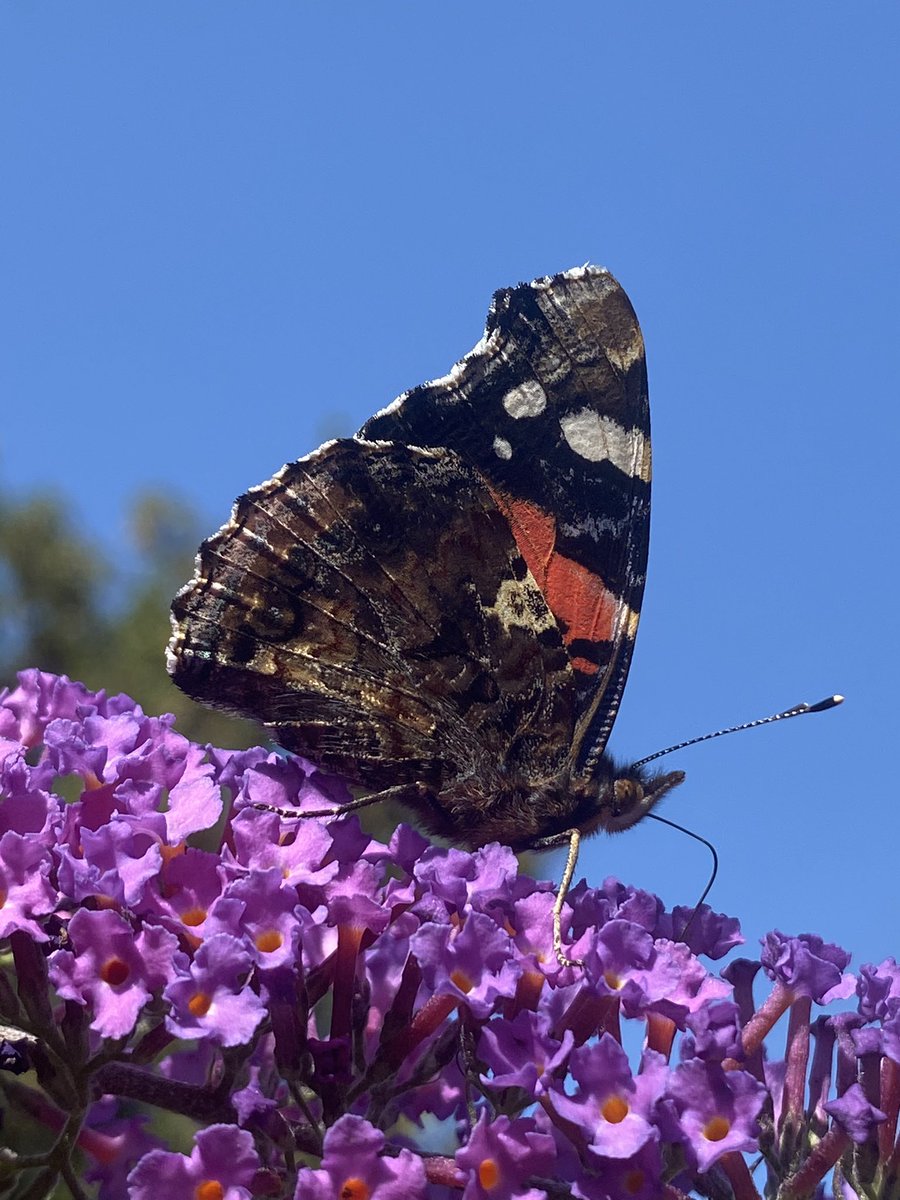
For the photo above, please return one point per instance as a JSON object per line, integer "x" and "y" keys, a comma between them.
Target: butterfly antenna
{"x": 712, "y": 877}
{"x": 797, "y": 711}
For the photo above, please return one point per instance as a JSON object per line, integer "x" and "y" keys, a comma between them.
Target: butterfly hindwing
{"x": 371, "y": 605}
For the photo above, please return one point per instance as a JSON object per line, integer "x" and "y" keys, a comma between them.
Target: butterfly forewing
{"x": 551, "y": 408}
{"x": 389, "y": 642}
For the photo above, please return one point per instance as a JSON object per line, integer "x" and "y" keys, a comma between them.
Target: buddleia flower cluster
{"x": 202, "y": 999}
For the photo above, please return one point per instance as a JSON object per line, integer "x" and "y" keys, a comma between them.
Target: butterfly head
{"x": 623, "y": 796}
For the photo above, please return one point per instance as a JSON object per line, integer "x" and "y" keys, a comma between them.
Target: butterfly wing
{"x": 370, "y": 604}
{"x": 551, "y": 410}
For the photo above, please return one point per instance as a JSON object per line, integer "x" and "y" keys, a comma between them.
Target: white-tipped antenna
{"x": 797, "y": 711}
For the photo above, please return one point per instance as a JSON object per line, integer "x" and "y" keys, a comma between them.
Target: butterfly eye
{"x": 626, "y": 794}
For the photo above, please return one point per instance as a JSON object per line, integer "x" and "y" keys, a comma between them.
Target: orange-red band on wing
{"x": 579, "y": 600}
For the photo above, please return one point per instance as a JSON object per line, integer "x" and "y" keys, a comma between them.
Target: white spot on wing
{"x": 521, "y": 603}
{"x": 502, "y": 448}
{"x": 526, "y": 400}
{"x": 596, "y": 437}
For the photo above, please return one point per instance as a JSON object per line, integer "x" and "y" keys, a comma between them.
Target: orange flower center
{"x": 488, "y": 1174}
{"x": 355, "y": 1189}
{"x": 268, "y": 942}
{"x": 199, "y": 1004}
{"x": 171, "y": 852}
{"x": 114, "y": 972}
{"x": 716, "y": 1128}
{"x": 462, "y": 981}
{"x": 614, "y": 1110}
{"x": 209, "y": 1189}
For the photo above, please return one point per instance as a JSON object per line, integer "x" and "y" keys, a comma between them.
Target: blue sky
{"x": 228, "y": 231}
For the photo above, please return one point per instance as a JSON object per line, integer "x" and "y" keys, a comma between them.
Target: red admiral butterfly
{"x": 442, "y": 609}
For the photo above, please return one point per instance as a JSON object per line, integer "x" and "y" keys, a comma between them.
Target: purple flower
{"x": 807, "y": 966}
{"x": 676, "y": 983}
{"x": 114, "y": 1143}
{"x": 289, "y": 784}
{"x": 522, "y": 1052}
{"x": 302, "y": 859}
{"x": 649, "y": 975}
{"x": 211, "y": 998}
{"x": 594, "y": 907}
{"x": 354, "y": 1167}
{"x": 267, "y": 921}
{"x": 531, "y": 921}
{"x": 27, "y": 807}
{"x": 638, "y": 1177}
{"x": 717, "y": 1110}
{"x": 702, "y": 930}
{"x": 473, "y": 964}
{"x": 113, "y": 969}
{"x": 878, "y": 989}
{"x": 350, "y": 899}
{"x": 26, "y": 892}
{"x": 617, "y": 959}
{"x": 500, "y": 1157}
{"x": 194, "y": 799}
{"x": 116, "y": 861}
{"x": 221, "y": 1166}
{"x": 26, "y": 711}
{"x": 715, "y": 1030}
{"x": 295, "y": 973}
{"x": 406, "y": 847}
{"x": 454, "y": 876}
{"x": 615, "y": 1109}
{"x": 186, "y": 891}
{"x": 854, "y": 1114}
{"x": 890, "y": 1027}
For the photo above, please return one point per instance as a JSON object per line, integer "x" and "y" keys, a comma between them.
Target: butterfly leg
{"x": 408, "y": 793}
{"x": 565, "y": 884}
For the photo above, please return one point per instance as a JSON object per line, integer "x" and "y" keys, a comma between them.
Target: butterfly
{"x": 443, "y": 608}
